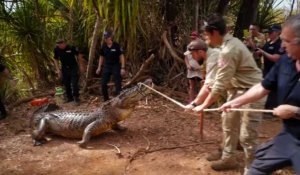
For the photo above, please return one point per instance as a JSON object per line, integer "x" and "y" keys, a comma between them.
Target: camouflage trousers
{"x": 241, "y": 126}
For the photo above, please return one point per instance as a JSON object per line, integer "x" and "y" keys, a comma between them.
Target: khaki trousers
{"x": 242, "y": 126}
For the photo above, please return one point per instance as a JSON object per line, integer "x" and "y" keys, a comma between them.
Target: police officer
{"x": 237, "y": 72}
{"x": 112, "y": 61}
{"x": 271, "y": 53}
{"x": 284, "y": 77}
{"x": 272, "y": 50}
{"x": 69, "y": 69}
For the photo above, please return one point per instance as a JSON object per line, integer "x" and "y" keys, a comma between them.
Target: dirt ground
{"x": 160, "y": 140}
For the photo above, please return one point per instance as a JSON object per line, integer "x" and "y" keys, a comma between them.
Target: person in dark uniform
{"x": 112, "y": 61}
{"x": 284, "y": 77}
{"x": 272, "y": 50}
{"x": 3, "y": 73}
{"x": 69, "y": 69}
{"x": 271, "y": 53}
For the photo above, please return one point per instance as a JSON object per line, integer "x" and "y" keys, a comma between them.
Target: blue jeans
{"x": 282, "y": 151}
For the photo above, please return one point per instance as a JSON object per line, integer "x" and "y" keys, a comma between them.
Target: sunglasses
{"x": 204, "y": 49}
{"x": 210, "y": 27}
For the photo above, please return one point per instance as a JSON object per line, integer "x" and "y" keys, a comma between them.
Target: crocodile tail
{"x": 44, "y": 108}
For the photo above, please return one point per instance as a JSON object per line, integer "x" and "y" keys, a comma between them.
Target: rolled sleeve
{"x": 226, "y": 69}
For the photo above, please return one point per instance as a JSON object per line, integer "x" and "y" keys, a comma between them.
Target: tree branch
{"x": 171, "y": 50}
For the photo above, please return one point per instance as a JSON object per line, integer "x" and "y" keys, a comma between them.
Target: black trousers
{"x": 109, "y": 70}
{"x": 3, "y": 112}
{"x": 282, "y": 151}
{"x": 70, "y": 79}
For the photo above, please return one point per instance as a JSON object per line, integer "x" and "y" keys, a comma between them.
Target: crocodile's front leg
{"x": 118, "y": 127}
{"x": 38, "y": 134}
{"x": 96, "y": 125}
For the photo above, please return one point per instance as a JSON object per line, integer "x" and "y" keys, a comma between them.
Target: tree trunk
{"x": 93, "y": 47}
{"x": 222, "y": 6}
{"x": 246, "y": 16}
{"x": 197, "y": 16}
{"x": 292, "y": 7}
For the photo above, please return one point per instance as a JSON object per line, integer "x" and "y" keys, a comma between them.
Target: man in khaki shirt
{"x": 255, "y": 41}
{"x": 237, "y": 72}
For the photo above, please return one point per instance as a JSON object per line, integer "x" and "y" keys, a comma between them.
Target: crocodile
{"x": 84, "y": 125}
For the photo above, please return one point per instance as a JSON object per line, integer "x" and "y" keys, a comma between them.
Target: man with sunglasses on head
{"x": 67, "y": 54}
{"x": 284, "y": 78}
{"x": 236, "y": 73}
{"x": 194, "y": 70}
{"x": 200, "y": 52}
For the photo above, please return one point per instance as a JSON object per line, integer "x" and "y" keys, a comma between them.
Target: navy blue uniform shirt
{"x": 285, "y": 80}
{"x": 66, "y": 56}
{"x": 271, "y": 48}
{"x": 111, "y": 55}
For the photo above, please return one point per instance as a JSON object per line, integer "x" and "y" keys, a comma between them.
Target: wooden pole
{"x": 201, "y": 116}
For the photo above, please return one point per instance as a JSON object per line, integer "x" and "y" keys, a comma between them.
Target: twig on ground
{"x": 143, "y": 151}
{"x": 91, "y": 101}
{"x": 179, "y": 146}
{"x": 148, "y": 141}
{"x": 119, "y": 154}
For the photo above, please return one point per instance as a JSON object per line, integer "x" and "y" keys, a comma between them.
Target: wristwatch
{"x": 194, "y": 104}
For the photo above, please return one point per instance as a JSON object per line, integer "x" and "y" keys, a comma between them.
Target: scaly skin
{"x": 73, "y": 124}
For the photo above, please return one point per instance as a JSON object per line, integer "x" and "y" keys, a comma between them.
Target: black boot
{"x": 76, "y": 101}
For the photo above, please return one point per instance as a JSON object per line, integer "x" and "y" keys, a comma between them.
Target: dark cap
{"x": 275, "y": 28}
{"x": 194, "y": 35}
{"x": 60, "y": 40}
{"x": 197, "y": 44}
{"x": 107, "y": 34}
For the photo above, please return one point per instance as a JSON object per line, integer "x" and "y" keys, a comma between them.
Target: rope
{"x": 169, "y": 98}
{"x": 208, "y": 110}
{"x": 241, "y": 110}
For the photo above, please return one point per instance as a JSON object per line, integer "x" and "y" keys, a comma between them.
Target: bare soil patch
{"x": 160, "y": 140}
